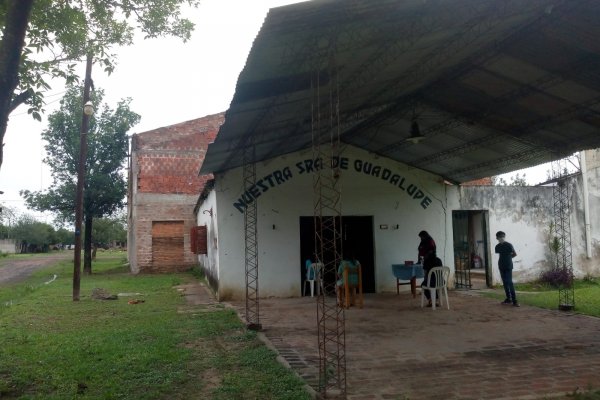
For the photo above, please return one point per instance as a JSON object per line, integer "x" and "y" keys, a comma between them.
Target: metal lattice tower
{"x": 328, "y": 235}
{"x": 562, "y": 226}
{"x": 251, "y": 241}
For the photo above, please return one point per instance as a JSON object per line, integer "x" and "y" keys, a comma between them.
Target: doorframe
{"x": 471, "y": 244}
{"x": 366, "y": 256}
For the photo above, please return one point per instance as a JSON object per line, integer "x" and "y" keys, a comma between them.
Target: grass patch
{"x": 54, "y": 348}
{"x": 587, "y": 296}
{"x": 582, "y": 395}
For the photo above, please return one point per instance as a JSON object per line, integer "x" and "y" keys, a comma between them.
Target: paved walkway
{"x": 478, "y": 349}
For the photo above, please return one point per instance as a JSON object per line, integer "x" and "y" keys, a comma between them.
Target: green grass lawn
{"x": 587, "y": 296}
{"x": 54, "y": 348}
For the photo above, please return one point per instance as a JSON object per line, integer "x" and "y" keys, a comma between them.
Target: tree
{"x": 8, "y": 218}
{"x": 109, "y": 230}
{"x": 34, "y": 236}
{"x": 104, "y": 186}
{"x": 515, "y": 180}
{"x": 65, "y": 236}
{"x": 45, "y": 39}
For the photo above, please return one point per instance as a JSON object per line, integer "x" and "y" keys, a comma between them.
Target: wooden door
{"x": 167, "y": 243}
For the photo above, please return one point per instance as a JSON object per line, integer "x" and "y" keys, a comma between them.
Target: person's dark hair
{"x": 424, "y": 235}
{"x": 500, "y": 234}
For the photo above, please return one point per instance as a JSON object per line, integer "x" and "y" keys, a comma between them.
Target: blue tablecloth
{"x": 407, "y": 272}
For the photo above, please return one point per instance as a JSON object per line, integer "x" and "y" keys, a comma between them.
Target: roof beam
{"x": 471, "y": 34}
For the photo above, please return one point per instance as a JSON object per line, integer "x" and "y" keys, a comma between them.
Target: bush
{"x": 557, "y": 278}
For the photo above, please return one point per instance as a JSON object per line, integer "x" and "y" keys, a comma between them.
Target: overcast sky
{"x": 169, "y": 82}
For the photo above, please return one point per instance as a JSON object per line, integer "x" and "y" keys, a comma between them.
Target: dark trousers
{"x": 507, "y": 282}
{"x": 427, "y": 292}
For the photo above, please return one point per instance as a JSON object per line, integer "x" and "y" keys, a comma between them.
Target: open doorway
{"x": 472, "y": 258}
{"x": 357, "y": 235}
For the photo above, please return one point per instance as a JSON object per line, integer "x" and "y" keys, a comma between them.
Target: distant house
{"x": 8, "y": 246}
{"x": 163, "y": 189}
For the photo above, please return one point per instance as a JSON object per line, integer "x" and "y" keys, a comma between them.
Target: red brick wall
{"x": 164, "y": 165}
{"x": 478, "y": 182}
{"x": 169, "y": 158}
{"x": 163, "y": 209}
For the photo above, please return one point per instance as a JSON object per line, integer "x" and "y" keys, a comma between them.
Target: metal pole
{"x": 80, "y": 179}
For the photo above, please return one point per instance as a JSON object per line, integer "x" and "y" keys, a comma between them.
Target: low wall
{"x": 8, "y": 246}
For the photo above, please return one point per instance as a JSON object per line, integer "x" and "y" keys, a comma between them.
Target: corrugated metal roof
{"x": 495, "y": 85}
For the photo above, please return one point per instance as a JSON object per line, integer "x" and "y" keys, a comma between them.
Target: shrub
{"x": 558, "y": 277}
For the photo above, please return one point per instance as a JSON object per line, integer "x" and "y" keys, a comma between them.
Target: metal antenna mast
{"x": 328, "y": 232}
{"x": 251, "y": 240}
{"x": 562, "y": 224}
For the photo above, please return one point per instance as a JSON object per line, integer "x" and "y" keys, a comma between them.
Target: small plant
{"x": 579, "y": 394}
{"x": 589, "y": 278}
{"x": 197, "y": 272}
{"x": 557, "y": 278}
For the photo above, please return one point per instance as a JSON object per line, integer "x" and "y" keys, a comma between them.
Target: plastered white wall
{"x": 285, "y": 193}
{"x": 582, "y": 265}
{"x": 207, "y": 214}
{"x": 523, "y": 213}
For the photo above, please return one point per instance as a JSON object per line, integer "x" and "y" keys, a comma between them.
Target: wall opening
{"x": 357, "y": 237}
{"x": 167, "y": 243}
{"x": 472, "y": 258}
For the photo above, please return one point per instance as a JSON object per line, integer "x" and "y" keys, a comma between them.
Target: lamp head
{"x": 415, "y": 133}
{"x": 88, "y": 108}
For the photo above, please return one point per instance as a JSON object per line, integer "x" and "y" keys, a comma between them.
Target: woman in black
{"x": 426, "y": 246}
{"x": 430, "y": 261}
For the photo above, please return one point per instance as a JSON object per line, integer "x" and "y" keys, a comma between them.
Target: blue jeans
{"x": 507, "y": 282}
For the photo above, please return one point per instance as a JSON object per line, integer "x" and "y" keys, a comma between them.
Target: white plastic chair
{"x": 441, "y": 286}
{"x": 313, "y": 276}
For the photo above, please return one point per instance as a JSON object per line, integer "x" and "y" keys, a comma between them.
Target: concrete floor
{"x": 479, "y": 349}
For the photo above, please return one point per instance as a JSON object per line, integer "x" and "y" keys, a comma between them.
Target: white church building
{"x": 385, "y": 204}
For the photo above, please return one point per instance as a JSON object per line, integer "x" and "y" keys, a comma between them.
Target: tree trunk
{"x": 11, "y": 47}
{"x": 87, "y": 246}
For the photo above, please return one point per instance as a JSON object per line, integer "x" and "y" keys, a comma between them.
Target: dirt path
{"x": 14, "y": 270}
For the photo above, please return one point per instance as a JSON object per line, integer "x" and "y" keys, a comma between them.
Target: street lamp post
{"x": 88, "y": 110}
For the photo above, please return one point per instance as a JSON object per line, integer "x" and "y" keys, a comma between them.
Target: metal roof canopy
{"x": 495, "y": 85}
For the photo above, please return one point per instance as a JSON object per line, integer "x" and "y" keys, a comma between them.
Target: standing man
{"x": 505, "y": 265}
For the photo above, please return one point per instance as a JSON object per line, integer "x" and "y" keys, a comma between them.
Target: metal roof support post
{"x": 251, "y": 240}
{"x": 328, "y": 243}
{"x": 562, "y": 223}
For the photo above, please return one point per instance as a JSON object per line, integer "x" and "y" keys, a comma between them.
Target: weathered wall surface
{"x": 207, "y": 215}
{"x": 284, "y": 193}
{"x": 524, "y": 214}
{"x": 581, "y": 264}
{"x": 153, "y": 208}
{"x": 414, "y": 200}
{"x": 163, "y": 186}
{"x": 8, "y": 246}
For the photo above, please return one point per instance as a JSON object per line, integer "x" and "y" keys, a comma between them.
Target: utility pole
{"x": 85, "y": 119}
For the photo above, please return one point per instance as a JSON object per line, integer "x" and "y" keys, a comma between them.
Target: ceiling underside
{"x": 495, "y": 85}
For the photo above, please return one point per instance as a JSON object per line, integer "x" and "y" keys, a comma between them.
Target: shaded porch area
{"x": 478, "y": 349}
